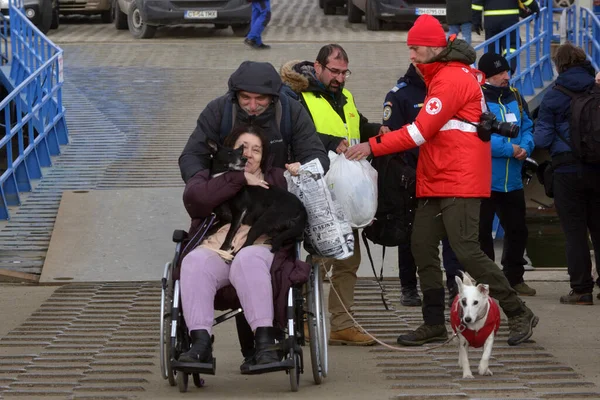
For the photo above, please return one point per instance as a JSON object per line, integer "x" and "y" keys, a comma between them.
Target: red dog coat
{"x": 475, "y": 338}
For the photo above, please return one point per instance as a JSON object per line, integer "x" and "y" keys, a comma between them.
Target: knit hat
{"x": 427, "y": 31}
{"x": 492, "y": 64}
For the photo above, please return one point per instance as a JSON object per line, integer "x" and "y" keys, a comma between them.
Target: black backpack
{"x": 584, "y": 124}
{"x": 396, "y": 202}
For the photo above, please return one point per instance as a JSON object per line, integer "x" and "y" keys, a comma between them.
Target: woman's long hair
{"x": 254, "y": 130}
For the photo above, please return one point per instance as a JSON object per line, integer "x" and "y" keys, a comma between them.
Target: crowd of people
{"x": 466, "y": 173}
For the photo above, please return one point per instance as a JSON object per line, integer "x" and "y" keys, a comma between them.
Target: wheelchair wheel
{"x": 182, "y": 381}
{"x": 166, "y": 300}
{"x": 198, "y": 382}
{"x": 294, "y": 373}
{"x": 317, "y": 325}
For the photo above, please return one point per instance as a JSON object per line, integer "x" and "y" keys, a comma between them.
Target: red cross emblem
{"x": 434, "y": 106}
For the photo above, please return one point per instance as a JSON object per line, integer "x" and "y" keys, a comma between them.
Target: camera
{"x": 488, "y": 124}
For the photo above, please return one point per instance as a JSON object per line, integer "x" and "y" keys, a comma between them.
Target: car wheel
{"x": 240, "y": 30}
{"x": 55, "y": 16}
{"x": 119, "y": 17}
{"x": 321, "y": 3}
{"x": 329, "y": 7}
{"x": 138, "y": 28}
{"x": 46, "y": 16}
{"x": 107, "y": 16}
{"x": 373, "y": 23}
{"x": 354, "y": 13}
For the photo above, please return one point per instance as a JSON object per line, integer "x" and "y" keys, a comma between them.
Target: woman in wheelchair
{"x": 206, "y": 269}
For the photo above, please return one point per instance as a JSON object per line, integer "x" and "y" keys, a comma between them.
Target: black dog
{"x": 275, "y": 212}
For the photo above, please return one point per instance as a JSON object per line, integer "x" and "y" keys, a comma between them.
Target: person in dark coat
{"x": 576, "y": 185}
{"x": 402, "y": 105}
{"x": 458, "y": 18}
{"x": 260, "y": 278}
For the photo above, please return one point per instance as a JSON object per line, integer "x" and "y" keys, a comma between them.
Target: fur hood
{"x": 299, "y": 76}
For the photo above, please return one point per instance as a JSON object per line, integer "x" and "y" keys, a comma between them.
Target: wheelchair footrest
{"x": 195, "y": 367}
{"x": 284, "y": 365}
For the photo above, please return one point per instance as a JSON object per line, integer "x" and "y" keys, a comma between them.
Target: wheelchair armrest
{"x": 179, "y": 235}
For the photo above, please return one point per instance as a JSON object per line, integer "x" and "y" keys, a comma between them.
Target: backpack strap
{"x": 227, "y": 118}
{"x": 519, "y": 99}
{"x": 285, "y": 118}
{"x": 378, "y": 280}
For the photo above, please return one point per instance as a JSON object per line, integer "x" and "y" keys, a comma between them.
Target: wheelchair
{"x": 175, "y": 340}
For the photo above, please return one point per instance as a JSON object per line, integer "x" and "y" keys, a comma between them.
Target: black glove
{"x": 534, "y": 7}
{"x": 477, "y": 28}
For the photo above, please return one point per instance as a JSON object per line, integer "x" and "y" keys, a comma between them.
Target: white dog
{"x": 475, "y": 318}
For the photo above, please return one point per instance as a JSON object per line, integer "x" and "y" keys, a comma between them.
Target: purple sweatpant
{"x": 203, "y": 272}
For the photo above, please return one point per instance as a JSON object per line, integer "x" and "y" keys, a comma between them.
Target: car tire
{"x": 354, "y": 13}
{"x": 55, "y": 16}
{"x": 119, "y": 17}
{"x": 46, "y": 16}
{"x": 373, "y": 23}
{"x": 240, "y": 30}
{"x": 107, "y": 16}
{"x": 137, "y": 27}
{"x": 329, "y": 7}
{"x": 321, "y": 3}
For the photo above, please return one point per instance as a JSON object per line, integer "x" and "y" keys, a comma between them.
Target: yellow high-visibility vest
{"x": 329, "y": 122}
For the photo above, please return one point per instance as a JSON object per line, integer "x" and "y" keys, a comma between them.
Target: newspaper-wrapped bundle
{"x": 328, "y": 231}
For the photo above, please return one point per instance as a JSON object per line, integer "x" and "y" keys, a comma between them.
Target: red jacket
{"x": 476, "y": 338}
{"x": 453, "y": 161}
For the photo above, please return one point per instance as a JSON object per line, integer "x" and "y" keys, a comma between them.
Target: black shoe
{"x": 582, "y": 299}
{"x": 249, "y": 42}
{"x": 410, "y": 297}
{"x": 262, "y": 46}
{"x": 249, "y": 360}
{"x": 266, "y": 346}
{"x": 201, "y": 350}
{"x": 424, "y": 334}
{"x": 521, "y": 327}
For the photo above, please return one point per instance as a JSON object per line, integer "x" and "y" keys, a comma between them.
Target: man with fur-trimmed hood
{"x": 319, "y": 86}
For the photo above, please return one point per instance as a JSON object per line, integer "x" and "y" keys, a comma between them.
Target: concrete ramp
{"x": 114, "y": 235}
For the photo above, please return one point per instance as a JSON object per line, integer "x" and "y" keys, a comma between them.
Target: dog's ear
{"x": 467, "y": 279}
{"x": 483, "y": 289}
{"x": 459, "y": 284}
{"x": 212, "y": 145}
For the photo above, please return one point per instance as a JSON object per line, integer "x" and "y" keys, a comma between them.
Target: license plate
{"x": 430, "y": 11}
{"x": 191, "y": 14}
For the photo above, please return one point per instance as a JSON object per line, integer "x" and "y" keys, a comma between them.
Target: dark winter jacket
{"x": 458, "y": 12}
{"x": 554, "y": 113}
{"x": 203, "y": 194}
{"x": 261, "y": 78}
{"x": 300, "y": 77}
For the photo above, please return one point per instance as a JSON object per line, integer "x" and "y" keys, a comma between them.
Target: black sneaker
{"x": 521, "y": 327}
{"x": 424, "y": 334}
{"x": 262, "y": 46}
{"x": 582, "y": 299}
{"x": 249, "y": 42}
{"x": 410, "y": 297}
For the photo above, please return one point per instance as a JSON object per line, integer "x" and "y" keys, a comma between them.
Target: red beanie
{"x": 427, "y": 31}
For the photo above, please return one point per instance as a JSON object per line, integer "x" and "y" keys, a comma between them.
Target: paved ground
{"x": 131, "y": 106}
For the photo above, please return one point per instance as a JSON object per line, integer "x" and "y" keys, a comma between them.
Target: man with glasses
{"x": 319, "y": 86}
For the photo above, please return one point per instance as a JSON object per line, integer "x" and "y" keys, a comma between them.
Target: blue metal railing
{"x": 588, "y": 35}
{"x": 530, "y": 57}
{"x": 32, "y": 114}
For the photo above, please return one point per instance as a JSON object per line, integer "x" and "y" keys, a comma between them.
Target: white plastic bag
{"x": 355, "y": 186}
{"x": 328, "y": 231}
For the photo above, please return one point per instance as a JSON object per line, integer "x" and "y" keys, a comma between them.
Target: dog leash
{"x": 395, "y": 348}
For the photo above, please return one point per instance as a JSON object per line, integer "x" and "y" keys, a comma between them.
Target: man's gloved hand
{"x": 477, "y": 28}
{"x": 534, "y": 7}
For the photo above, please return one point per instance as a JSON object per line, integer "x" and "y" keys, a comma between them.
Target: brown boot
{"x": 351, "y": 337}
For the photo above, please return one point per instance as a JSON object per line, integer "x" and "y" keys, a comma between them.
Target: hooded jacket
{"x": 453, "y": 161}
{"x": 255, "y": 77}
{"x": 554, "y": 113}
{"x": 299, "y": 77}
{"x": 506, "y": 170}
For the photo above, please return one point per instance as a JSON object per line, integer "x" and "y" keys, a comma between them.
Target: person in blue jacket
{"x": 402, "y": 104}
{"x": 576, "y": 185}
{"x": 508, "y": 154}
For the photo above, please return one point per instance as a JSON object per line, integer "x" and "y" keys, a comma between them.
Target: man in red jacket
{"x": 453, "y": 173}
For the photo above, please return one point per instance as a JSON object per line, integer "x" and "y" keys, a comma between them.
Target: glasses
{"x": 346, "y": 74}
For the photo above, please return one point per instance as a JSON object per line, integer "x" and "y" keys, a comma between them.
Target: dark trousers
{"x": 408, "y": 268}
{"x": 496, "y": 24}
{"x": 577, "y": 199}
{"x": 457, "y": 219}
{"x": 510, "y": 207}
